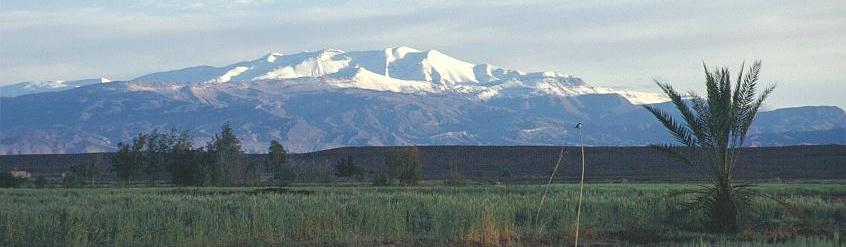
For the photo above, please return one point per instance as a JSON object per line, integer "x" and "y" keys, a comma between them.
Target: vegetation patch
{"x": 614, "y": 214}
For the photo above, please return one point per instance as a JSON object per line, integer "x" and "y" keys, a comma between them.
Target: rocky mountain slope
{"x": 331, "y": 98}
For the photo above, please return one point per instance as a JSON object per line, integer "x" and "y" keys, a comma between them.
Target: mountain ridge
{"x": 306, "y": 115}
{"x": 33, "y": 87}
{"x": 331, "y": 98}
{"x": 401, "y": 69}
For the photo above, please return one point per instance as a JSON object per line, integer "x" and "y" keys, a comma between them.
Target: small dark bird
{"x": 579, "y": 125}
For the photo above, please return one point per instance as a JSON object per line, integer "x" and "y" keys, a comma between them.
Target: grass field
{"x": 615, "y": 214}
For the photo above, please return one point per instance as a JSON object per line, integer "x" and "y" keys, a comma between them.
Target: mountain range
{"x": 33, "y": 87}
{"x": 331, "y": 98}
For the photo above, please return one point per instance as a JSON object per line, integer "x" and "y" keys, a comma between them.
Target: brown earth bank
{"x": 529, "y": 163}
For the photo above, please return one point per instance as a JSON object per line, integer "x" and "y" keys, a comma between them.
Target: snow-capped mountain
{"x": 401, "y": 70}
{"x": 399, "y": 96}
{"x": 401, "y": 63}
{"x": 32, "y": 87}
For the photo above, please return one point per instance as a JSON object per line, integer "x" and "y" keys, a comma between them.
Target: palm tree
{"x": 711, "y": 132}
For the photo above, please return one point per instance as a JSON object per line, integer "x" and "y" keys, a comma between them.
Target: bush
{"x": 345, "y": 168}
{"x": 285, "y": 175}
{"x": 403, "y": 165}
{"x": 454, "y": 178}
{"x": 40, "y": 182}
{"x": 9, "y": 181}
{"x": 70, "y": 180}
{"x": 381, "y": 180}
{"x": 506, "y": 175}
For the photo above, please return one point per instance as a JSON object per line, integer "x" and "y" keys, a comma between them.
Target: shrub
{"x": 345, "y": 168}
{"x": 285, "y": 175}
{"x": 40, "y": 182}
{"x": 506, "y": 174}
{"x": 454, "y": 177}
{"x": 381, "y": 180}
{"x": 7, "y": 180}
{"x": 403, "y": 165}
{"x": 70, "y": 180}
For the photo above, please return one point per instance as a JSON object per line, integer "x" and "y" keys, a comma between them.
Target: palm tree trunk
{"x": 724, "y": 212}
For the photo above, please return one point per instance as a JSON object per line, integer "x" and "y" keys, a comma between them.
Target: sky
{"x": 623, "y": 44}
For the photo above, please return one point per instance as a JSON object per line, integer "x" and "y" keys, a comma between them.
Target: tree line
{"x": 159, "y": 156}
{"x": 162, "y": 156}
{"x": 171, "y": 157}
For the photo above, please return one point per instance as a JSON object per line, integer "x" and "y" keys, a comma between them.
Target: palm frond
{"x": 749, "y": 117}
{"x": 679, "y": 131}
{"x": 702, "y": 196}
{"x": 703, "y": 116}
{"x": 674, "y": 152}
{"x": 737, "y": 86}
{"x": 747, "y": 92}
{"x": 690, "y": 117}
{"x": 711, "y": 86}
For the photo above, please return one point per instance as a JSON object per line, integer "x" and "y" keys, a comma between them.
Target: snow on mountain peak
{"x": 400, "y": 52}
{"x": 271, "y": 57}
{"x": 360, "y": 77}
{"x": 447, "y": 70}
{"x": 31, "y": 87}
{"x": 398, "y": 69}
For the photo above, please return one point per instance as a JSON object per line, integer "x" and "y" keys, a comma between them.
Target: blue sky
{"x": 623, "y": 44}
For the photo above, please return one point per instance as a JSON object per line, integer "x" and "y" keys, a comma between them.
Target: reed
{"x": 469, "y": 215}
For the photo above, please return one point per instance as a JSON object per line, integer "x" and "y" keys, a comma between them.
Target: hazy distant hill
{"x": 532, "y": 163}
{"x": 33, "y": 87}
{"x": 398, "y": 96}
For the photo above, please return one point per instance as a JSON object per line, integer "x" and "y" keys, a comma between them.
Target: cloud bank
{"x": 621, "y": 44}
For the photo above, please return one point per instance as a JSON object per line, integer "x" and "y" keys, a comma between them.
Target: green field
{"x": 615, "y": 214}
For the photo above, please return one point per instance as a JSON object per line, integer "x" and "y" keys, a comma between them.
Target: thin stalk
{"x": 581, "y": 186}
{"x": 543, "y": 197}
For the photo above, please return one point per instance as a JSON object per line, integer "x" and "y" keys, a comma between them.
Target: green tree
{"x": 345, "y": 168}
{"x": 82, "y": 173}
{"x": 277, "y": 162}
{"x": 158, "y": 153}
{"x": 184, "y": 163}
{"x": 227, "y": 158}
{"x": 70, "y": 180}
{"x": 712, "y": 131}
{"x": 99, "y": 167}
{"x": 403, "y": 165}
{"x": 205, "y": 167}
{"x": 127, "y": 163}
{"x": 506, "y": 174}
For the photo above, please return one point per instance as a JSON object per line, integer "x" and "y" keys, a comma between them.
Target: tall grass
{"x": 493, "y": 215}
